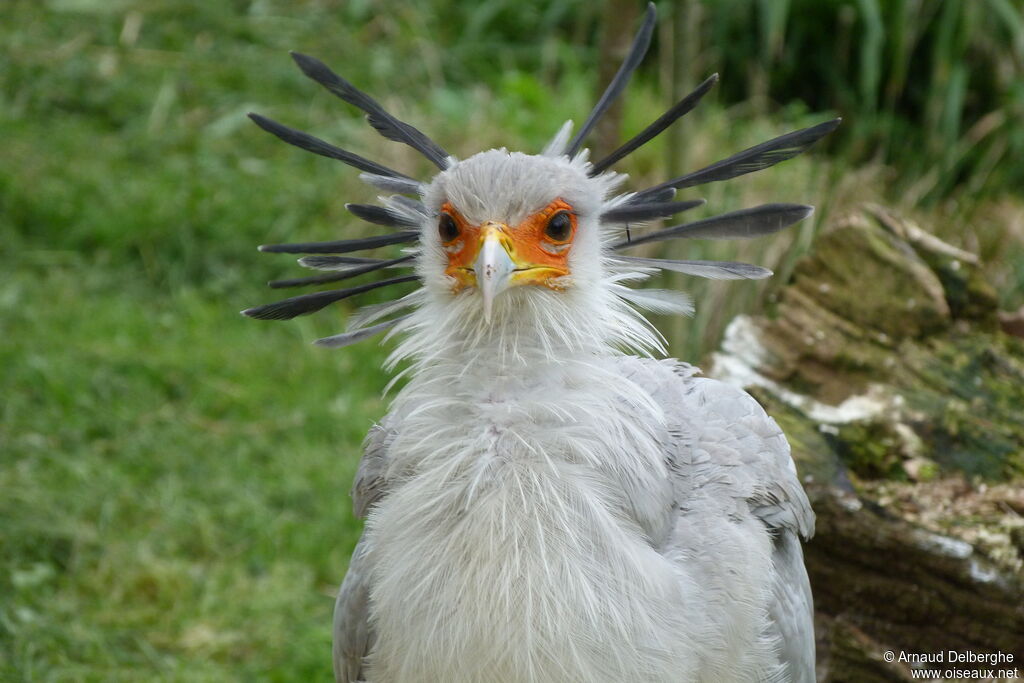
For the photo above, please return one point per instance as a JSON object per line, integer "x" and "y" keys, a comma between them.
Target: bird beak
{"x": 494, "y": 265}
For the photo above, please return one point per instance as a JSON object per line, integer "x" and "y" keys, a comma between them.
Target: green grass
{"x": 173, "y": 477}
{"x": 174, "y": 483}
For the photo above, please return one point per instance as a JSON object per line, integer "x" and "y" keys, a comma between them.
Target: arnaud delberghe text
{"x": 957, "y": 657}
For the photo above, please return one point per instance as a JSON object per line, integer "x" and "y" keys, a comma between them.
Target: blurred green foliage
{"x": 935, "y": 88}
{"x": 173, "y": 478}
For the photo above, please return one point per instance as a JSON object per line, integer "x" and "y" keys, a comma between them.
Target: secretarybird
{"x": 541, "y": 504}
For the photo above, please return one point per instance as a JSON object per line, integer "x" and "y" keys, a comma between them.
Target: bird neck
{"x": 532, "y": 331}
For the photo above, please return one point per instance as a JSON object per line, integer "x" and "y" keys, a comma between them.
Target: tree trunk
{"x": 885, "y": 364}
{"x": 618, "y": 24}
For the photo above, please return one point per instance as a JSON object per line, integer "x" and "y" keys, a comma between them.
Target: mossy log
{"x": 884, "y": 361}
{"x": 901, "y": 588}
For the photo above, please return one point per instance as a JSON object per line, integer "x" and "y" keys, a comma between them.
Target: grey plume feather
{"x": 345, "y": 274}
{"x": 679, "y": 110}
{"x": 663, "y": 301}
{"x": 712, "y": 270}
{"x": 336, "y": 262}
{"x": 557, "y": 146}
{"x": 386, "y": 124}
{"x": 310, "y": 303}
{"x": 317, "y": 146}
{"x": 636, "y": 54}
{"x": 752, "y": 159}
{"x": 409, "y": 205}
{"x": 630, "y": 213}
{"x": 338, "y": 341}
{"x": 392, "y": 184}
{"x": 371, "y": 313}
{"x": 742, "y": 224}
{"x": 341, "y": 246}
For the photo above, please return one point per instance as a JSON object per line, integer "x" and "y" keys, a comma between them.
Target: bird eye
{"x": 447, "y": 228}
{"x": 559, "y": 227}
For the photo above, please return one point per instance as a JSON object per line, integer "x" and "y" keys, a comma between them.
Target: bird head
{"x": 507, "y": 226}
{"x": 510, "y": 246}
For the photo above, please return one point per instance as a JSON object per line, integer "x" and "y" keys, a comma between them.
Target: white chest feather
{"x": 516, "y": 543}
{"x": 507, "y": 555}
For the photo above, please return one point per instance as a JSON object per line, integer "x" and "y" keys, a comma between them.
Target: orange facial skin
{"x": 539, "y": 259}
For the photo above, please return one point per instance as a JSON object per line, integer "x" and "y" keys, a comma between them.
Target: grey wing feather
{"x": 748, "y": 456}
{"x": 370, "y": 483}
{"x": 353, "y": 635}
{"x": 792, "y": 609}
{"x": 724, "y": 444}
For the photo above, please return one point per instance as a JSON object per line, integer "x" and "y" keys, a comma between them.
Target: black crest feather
{"x": 753, "y": 159}
{"x": 381, "y": 215}
{"x": 325, "y": 149}
{"x": 742, "y": 224}
{"x": 310, "y": 303}
{"x": 629, "y": 213}
{"x": 342, "y": 246}
{"x": 679, "y": 110}
{"x": 659, "y": 196}
{"x": 386, "y": 124}
{"x": 636, "y": 54}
